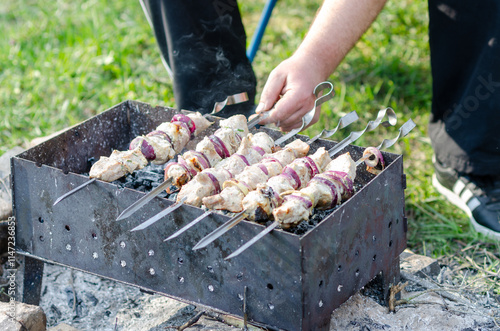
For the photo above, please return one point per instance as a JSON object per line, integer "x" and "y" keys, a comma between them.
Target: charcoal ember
{"x": 148, "y": 176}
{"x": 317, "y": 216}
{"x": 172, "y": 196}
{"x": 91, "y": 161}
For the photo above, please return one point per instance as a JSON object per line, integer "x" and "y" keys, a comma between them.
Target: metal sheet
{"x": 353, "y": 245}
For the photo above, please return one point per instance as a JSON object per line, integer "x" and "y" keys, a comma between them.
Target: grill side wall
{"x": 361, "y": 239}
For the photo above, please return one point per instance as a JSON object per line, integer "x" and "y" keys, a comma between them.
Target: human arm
{"x": 337, "y": 27}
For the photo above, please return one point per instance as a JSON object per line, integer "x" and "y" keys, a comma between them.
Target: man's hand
{"x": 289, "y": 93}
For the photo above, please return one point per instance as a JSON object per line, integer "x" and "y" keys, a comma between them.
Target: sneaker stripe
{"x": 473, "y": 203}
{"x": 466, "y": 196}
{"x": 458, "y": 187}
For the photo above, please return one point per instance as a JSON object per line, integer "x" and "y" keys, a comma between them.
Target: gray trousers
{"x": 464, "y": 128}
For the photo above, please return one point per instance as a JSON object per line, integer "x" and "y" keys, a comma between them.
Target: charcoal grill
{"x": 292, "y": 281}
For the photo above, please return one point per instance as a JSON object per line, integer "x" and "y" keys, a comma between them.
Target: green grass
{"x": 62, "y": 62}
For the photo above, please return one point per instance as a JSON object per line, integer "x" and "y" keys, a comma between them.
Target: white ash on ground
{"x": 107, "y": 305}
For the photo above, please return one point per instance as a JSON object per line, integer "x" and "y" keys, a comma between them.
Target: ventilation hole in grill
{"x": 320, "y": 283}
{"x": 374, "y": 257}
{"x": 374, "y": 238}
{"x": 42, "y": 238}
{"x": 211, "y": 288}
{"x": 240, "y": 296}
{"x": 270, "y": 286}
{"x": 180, "y": 279}
{"x": 77, "y": 134}
{"x": 123, "y": 244}
{"x": 151, "y": 252}
{"x": 270, "y": 305}
{"x": 40, "y": 220}
{"x": 339, "y": 268}
{"x": 390, "y": 225}
{"x": 65, "y": 171}
{"x": 210, "y": 269}
{"x": 357, "y": 272}
{"x": 357, "y": 253}
{"x": 123, "y": 263}
{"x": 180, "y": 260}
{"x": 239, "y": 276}
{"x": 390, "y": 243}
{"x": 397, "y": 220}
{"x": 38, "y": 164}
{"x": 67, "y": 227}
{"x": 95, "y": 255}
{"x": 320, "y": 303}
{"x": 339, "y": 288}
{"x": 68, "y": 247}
{"x": 152, "y": 271}
{"x": 94, "y": 235}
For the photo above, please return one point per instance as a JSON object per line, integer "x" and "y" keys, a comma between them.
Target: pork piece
{"x": 117, "y": 165}
{"x": 209, "y": 181}
{"x": 179, "y": 135}
{"x": 237, "y": 123}
{"x": 206, "y": 156}
{"x": 259, "y": 204}
{"x": 343, "y": 163}
{"x": 212, "y": 152}
{"x": 163, "y": 149}
{"x": 323, "y": 193}
{"x": 201, "y": 122}
{"x": 234, "y": 190}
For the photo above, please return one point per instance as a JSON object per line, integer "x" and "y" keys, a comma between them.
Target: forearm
{"x": 289, "y": 88}
{"x": 335, "y": 30}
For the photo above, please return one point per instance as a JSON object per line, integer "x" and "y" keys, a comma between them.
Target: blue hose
{"x": 261, "y": 27}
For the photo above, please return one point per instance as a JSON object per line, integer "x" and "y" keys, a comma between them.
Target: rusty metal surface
{"x": 282, "y": 272}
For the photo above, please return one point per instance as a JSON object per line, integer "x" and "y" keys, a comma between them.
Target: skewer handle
{"x": 372, "y": 125}
{"x": 343, "y": 122}
{"x": 230, "y": 100}
{"x": 308, "y": 117}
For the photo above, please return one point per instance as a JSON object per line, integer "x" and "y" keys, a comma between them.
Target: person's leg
{"x": 464, "y": 39}
{"x": 204, "y": 44}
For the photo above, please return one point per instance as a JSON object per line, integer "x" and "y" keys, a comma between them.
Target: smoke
{"x": 214, "y": 64}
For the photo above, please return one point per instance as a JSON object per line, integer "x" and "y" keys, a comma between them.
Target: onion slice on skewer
{"x": 373, "y": 157}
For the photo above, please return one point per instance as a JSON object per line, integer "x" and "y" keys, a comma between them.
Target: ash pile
{"x": 106, "y": 305}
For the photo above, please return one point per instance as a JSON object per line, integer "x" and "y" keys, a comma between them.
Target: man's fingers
{"x": 271, "y": 92}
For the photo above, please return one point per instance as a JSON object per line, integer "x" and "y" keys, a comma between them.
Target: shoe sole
{"x": 455, "y": 199}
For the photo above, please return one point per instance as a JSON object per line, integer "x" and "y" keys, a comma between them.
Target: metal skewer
{"x": 158, "y": 216}
{"x": 307, "y": 117}
{"x": 190, "y": 225}
{"x": 230, "y": 100}
{"x": 145, "y": 199}
{"x": 73, "y": 191}
{"x": 372, "y": 125}
{"x": 403, "y": 131}
{"x": 343, "y": 122}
